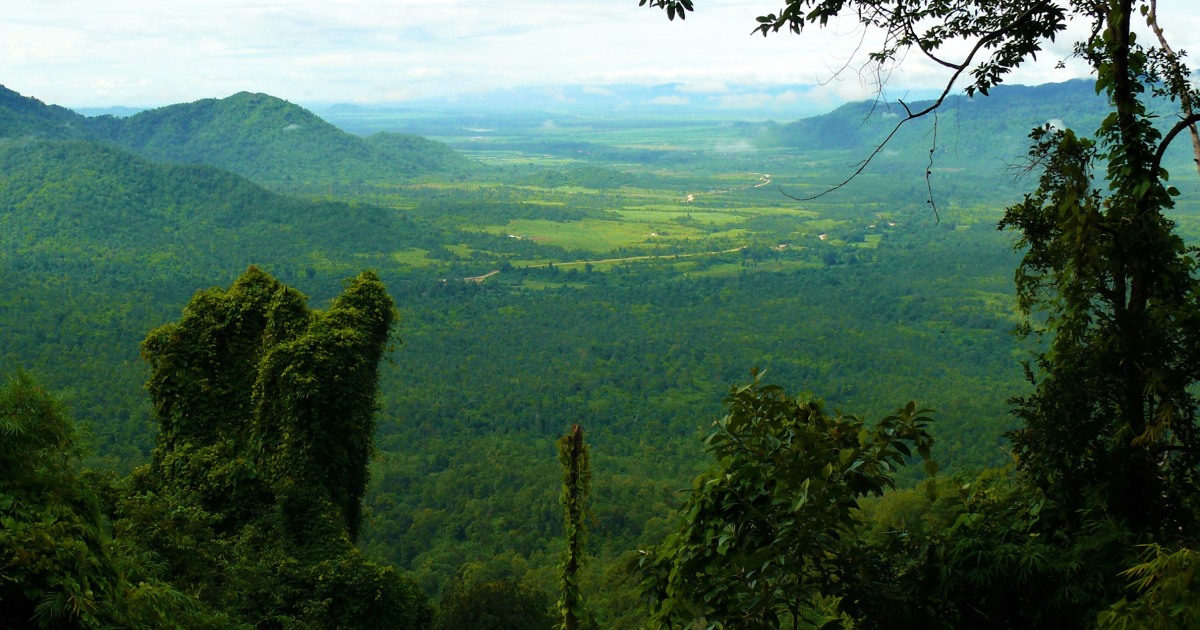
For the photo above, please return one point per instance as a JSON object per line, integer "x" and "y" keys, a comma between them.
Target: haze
{"x": 147, "y": 52}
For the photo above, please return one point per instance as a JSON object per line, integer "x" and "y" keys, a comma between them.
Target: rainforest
{"x": 268, "y": 366}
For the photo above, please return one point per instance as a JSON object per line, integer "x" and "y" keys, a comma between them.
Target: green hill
{"x": 98, "y": 245}
{"x": 273, "y": 142}
{"x": 22, "y": 116}
{"x": 100, "y": 198}
{"x": 269, "y": 140}
{"x": 991, "y": 129}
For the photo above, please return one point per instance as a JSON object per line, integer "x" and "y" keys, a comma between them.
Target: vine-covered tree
{"x": 266, "y": 413}
{"x": 575, "y": 457}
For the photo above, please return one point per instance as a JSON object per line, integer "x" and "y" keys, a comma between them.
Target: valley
{"x": 618, "y": 272}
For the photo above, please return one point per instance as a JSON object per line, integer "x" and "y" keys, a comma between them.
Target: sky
{"x": 141, "y": 53}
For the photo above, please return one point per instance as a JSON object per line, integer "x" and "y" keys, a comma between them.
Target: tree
{"x": 266, "y": 406}
{"x": 266, "y": 414}
{"x": 492, "y": 605}
{"x": 575, "y": 457}
{"x": 1112, "y": 419}
{"x": 59, "y": 565}
{"x": 767, "y": 534}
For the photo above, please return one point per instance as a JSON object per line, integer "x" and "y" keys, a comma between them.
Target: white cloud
{"x": 670, "y": 100}
{"x": 149, "y": 52}
{"x": 760, "y": 100}
{"x": 710, "y": 86}
{"x": 597, "y": 90}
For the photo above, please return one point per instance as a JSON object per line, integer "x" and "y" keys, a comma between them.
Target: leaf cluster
{"x": 764, "y": 531}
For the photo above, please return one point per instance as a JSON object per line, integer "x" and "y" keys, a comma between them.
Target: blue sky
{"x": 153, "y": 52}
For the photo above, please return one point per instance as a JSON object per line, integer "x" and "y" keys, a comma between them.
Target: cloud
{"x": 711, "y": 86}
{"x": 150, "y": 52}
{"x": 759, "y": 100}
{"x": 740, "y": 146}
{"x": 597, "y": 90}
{"x": 673, "y": 100}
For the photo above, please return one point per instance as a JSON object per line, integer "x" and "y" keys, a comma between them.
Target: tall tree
{"x": 769, "y": 531}
{"x": 575, "y": 457}
{"x": 265, "y": 405}
{"x": 1112, "y": 419}
{"x": 266, "y": 410}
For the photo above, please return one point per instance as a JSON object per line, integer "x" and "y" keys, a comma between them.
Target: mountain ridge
{"x": 264, "y": 138}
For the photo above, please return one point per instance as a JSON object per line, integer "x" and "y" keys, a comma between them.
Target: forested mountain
{"x": 266, "y": 139}
{"x": 982, "y": 130}
{"x": 22, "y": 116}
{"x": 275, "y": 142}
{"x": 95, "y": 242}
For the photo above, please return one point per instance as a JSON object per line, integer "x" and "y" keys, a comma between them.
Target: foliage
{"x": 575, "y": 458}
{"x": 492, "y": 604}
{"x": 1114, "y": 412}
{"x": 984, "y": 551}
{"x": 59, "y": 567}
{"x": 764, "y": 532}
{"x": 1167, "y": 593}
{"x": 266, "y": 413}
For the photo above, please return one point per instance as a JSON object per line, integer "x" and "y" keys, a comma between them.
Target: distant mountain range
{"x": 985, "y": 133}
{"x": 286, "y": 146}
{"x": 993, "y": 127}
{"x": 261, "y": 137}
{"x": 716, "y": 100}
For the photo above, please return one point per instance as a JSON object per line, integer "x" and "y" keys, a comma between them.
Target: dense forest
{"x": 563, "y": 326}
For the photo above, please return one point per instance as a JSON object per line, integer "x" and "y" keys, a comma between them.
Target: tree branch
{"x": 1179, "y": 78}
{"x": 980, "y": 44}
{"x": 1187, "y": 123}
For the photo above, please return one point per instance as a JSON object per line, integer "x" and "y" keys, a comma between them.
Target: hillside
{"x": 273, "y": 142}
{"x": 992, "y": 129}
{"x": 98, "y": 245}
{"x": 269, "y": 140}
{"x": 22, "y": 116}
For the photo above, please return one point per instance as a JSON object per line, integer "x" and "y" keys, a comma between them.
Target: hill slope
{"x": 991, "y": 128}
{"x": 98, "y": 245}
{"x": 272, "y": 141}
{"x": 22, "y": 116}
{"x": 266, "y": 139}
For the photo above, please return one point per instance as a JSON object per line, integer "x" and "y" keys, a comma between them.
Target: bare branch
{"x": 1186, "y": 123}
{"x": 908, "y": 25}
{"x": 1185, "y": 96}
{"x": 980, "y": 44}
{"x": 929, "y": 171}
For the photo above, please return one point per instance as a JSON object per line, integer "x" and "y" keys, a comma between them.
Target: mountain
{"x": 717, "y": 100}
{"x": 98, "y": 245}
{"x": 273, "y": 141}
{"x": 968, "y": 129}
{"x": 103, "y": 198}
{"x": 266, "y": 139}
{"x": 22, "y": 116}
{"x": 970, "y": 137}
